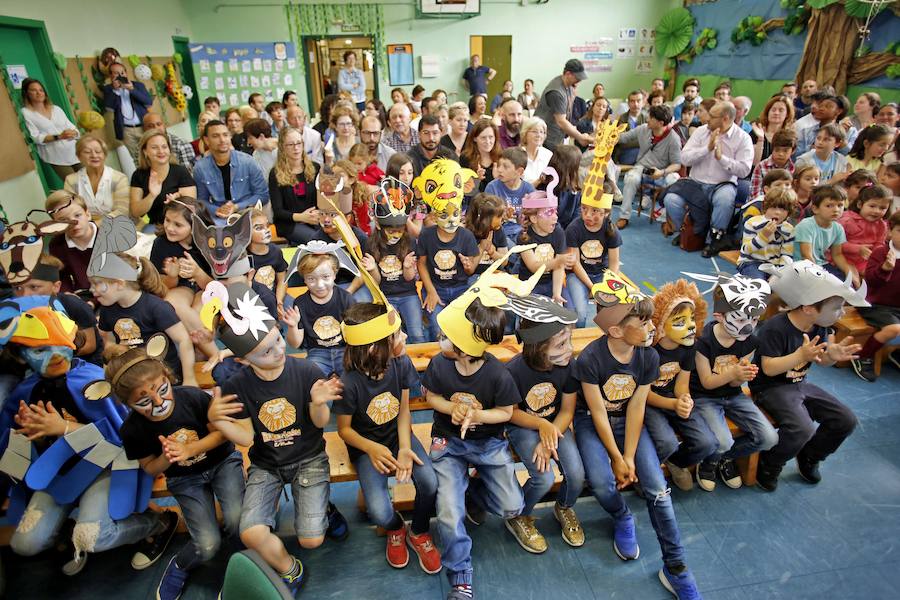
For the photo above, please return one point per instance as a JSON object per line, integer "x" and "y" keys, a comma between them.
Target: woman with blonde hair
{"x": 105, "y": 190}
{"x": 157, "y": 176}
{"x": 205, "y": 117}
{"x": 292, "y": 189}
{"x": 52, "y": 131}
{"x": 459, "y": 127}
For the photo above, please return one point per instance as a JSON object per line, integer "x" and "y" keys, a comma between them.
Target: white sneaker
{"x": 645, "y": 202}
{"x": 681, "y": 477}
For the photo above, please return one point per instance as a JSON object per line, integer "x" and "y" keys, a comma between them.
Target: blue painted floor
{"x": 834, "y": 540}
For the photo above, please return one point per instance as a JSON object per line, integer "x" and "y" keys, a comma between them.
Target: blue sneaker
{"x": 683, "y": 586}
{"x": 338, "y": 529}
{"x": 296, "y": 582}
{"x": 172, "y": 582}
{"x": 625, "y": 538}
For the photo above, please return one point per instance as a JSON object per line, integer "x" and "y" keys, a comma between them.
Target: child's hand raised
{"x": 409, "y": 261}
{"x": 811, "y": 350}
{"x": 290, "y": 316}
{"x": 171, "y": 267}
{"x": 222, "y": 407}
{"x": 684, "y": 404}
{"x": 769, "y": 230}
{"x": 843, "y": 350}
{"x": 889, "y": 261}
{"x": 468, "y": 263}
{"x": 368, "y": 262}
{"x": 326, "y": 390}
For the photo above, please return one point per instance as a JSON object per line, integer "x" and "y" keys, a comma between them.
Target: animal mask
{"x": 743, "y": 294}
{"x": 331, "y": 194}
{"x": 543, "y": 199}
{"x": 237, "y": 314}
{"x": 667, "y": 298}
{"x": 604, "y": 141}
{"x": 392, "y": 202}
{"x": 615, "y": 294}
{"x": 116, "y": 234}
{"x": 21, "y": 244}
{"x": 293, "y": 277}
{"x": 803, "y": 283}
{"x": 221, "y": 245}
{"x": 443, "y": 182}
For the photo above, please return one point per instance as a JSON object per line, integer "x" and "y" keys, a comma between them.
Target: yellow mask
{"x": 443, "y": 182}
{"x": 615, "y": 294}
{"x": 681, "y": 327}
{"x": 676, "y": 325}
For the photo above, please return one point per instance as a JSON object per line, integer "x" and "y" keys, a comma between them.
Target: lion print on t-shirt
{"x": 328, "y": 330}
{"x": 444, "y": 259}
{"x": 186, "y": 436}
{"x": 667, "y": 373}
{"x": 592, "y": 249}
{"x": 723, "y": 362}
{"x": 540, "y": 397}
{"x": 617, "y": 390}
{"x": 544, "y": 252}
{"x": 391, "y": 267}
{"x": 265, "y": 275}
{"x": 383, "y": 408}
{"x": 466, "y": 398}
{"x": 128, "y": 332}
{"x": 276, "y": 414}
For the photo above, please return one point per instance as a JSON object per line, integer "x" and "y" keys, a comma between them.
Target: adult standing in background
{"x": 50, "y": 128}
{"x": 556, "y": 103}
{"x": 353, "y": 80}
{"x": 129, "y": 101}
{"x": 105, "y": 190}
{"x": 476, "y": 76}
{"x": 528, "y": 100}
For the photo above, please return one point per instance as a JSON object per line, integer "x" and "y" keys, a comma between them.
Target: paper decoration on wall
{"x": 244, "y": 67}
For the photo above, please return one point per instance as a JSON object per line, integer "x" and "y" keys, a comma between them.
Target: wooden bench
{"x": 730, "y": 256}
{"x": 853, "y": 325}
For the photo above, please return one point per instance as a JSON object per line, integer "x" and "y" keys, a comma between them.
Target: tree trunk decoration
{"x": 831, "y": 40}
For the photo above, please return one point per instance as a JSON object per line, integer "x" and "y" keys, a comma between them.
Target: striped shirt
{"x": 756, "y": 247}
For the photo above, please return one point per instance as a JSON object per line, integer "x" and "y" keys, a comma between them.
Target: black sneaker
{"x": 474, "y": 513}
{"x": 706, "y": 476}
{"x": 767, "y": 477}
{"x": 809, "y": 469}
{"x": 716, "y": 246}
{"x": 894, "y": 358}
{"x": 729, "y": 475}
{"x": 338, "y": 529}
{"x": 152, "y": 548}
{"x": 865, "y": 368}
{"x": 676, "y": 241}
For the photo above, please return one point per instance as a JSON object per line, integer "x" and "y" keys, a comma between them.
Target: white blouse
{"x": 60, "y": 152}
{"x": 112, "y": 192}
{"x": 535, "y": 167}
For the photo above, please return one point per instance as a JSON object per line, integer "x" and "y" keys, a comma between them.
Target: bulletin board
{"x": 400, "y": 64}
{"x": 232, "y": 71}
{"x": 81, "y": 85}
{"x": 15, "y": 156}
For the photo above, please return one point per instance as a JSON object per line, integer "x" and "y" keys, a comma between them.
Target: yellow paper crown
{"x": 604, "y": 141}
{"x": 492, "y": 289}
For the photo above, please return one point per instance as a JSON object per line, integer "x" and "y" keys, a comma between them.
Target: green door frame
{"x": 182, "y": 47}
{"x": 37, "y": 31}
{"x": 306, "y": 67}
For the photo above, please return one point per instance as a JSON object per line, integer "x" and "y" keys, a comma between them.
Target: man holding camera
{"x": 129, "y": 101}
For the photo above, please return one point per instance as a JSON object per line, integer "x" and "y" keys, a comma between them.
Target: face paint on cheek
{"x": 393, "y": 238}
{"x": 446, "y": 347}
{"x": 681, "y": 327}
{"x": 639, "y": 334}
{"x": 830, "y": 313}
{"x": 738, "y": 325}
{"x": 48, "y": 361}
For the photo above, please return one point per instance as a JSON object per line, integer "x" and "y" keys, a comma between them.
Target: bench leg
{"x": 747, "y": 467}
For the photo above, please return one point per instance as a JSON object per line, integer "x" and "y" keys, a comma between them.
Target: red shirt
{"x": 884, "y": 286}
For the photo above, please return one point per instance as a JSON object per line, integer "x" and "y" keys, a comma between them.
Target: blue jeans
{"x": 223, "y": 371}
{"x": 603, "y": 483}
{"x": 582, "y": 303}
{"x": 300, "y": 233}
{"x": 447, "y": 295}
{"x": 546, "y": 289}
{"x": 632, "y": 182}
{"x": 524, "y": 441}
{"x": 361, "y": 295}
{"x": 330, "y": 360}
{"x": 722, "y": 207}
{"x": 496, "y": 489}
{"x": 751, "y": 269}
{"x": 512, "y": 230}
{"x": 697, "y": 441}
{"x": 378, "y": 498}
{"x": 196, "y": 496}
{"x": 759, "y": 435}
{"x": 410, "y": 309}
{"x": 95, "y": 530}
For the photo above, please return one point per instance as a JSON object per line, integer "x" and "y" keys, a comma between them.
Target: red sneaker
{"x": 396, "y": 552}
{"x": 423, "y": 546}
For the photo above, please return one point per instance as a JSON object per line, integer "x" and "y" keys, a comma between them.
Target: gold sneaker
{"x": 528, "y": 536}
{"x": 572, "y": 532}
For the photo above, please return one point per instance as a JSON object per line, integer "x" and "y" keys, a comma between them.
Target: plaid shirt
{"x": 183, "y": 151}
{"x": 759, "y": 173}
{"x": 396, "y": 142}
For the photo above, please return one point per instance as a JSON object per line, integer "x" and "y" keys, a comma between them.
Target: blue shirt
{"x": 247, "y": 183}
{"x": 806, "y": 139}
{"x": 477, "y": 79}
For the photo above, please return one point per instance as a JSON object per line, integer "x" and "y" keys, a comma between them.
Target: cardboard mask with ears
{"x": 803, "y": 283}
{"x": 615, "y": 294}
{"x": 392, "y": 202}
{"x": 21, "y": 245}
{"x": 155, "y": 349}
{"x": 116, "y": 234}
{"x": 443, "y": 182}
{"x": 221, "y": 245}
{"x": 319, "y": 247}
{"x": 671, "y": 295}
{"x": 604, "y": 141}
{"x": 739, "y": 293}
{"x": 246, "y": 319}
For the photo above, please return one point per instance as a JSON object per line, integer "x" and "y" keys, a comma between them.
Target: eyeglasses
{"x": 370, "y": 133}
{"x": 345, "y": 124}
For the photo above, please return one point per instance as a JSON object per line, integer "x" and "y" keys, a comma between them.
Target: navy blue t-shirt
{"x": 617, "y": 381}
{"x": 477, "y": 79}
{"x": 720, "y": 358}
{"x": 163, "y": 249}
{"x": 500, "y": 241}
{"x": 593, "y": 246}
{"x": 542, "y": 391}
{"x": 442, "y": 260}
{"x": 671, "y": 364}
{"x": 548, "y": 247}
{"x": 779, "y": 337}
{"x": 390, "y": 267}
{"x": 267, "y": 265}
{"x": 134, "y": 325}
{"x": 322, "y": 322}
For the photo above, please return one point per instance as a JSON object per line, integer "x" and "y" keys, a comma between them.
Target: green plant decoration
{"x": 674, "y": 31}
{"x": 893, "y": 71}
{"x": 707, "y": 40}
{"x": 798, "y": 13}
{"x": 59, "y": 60}
{"x": 133, "y": 60}
{"x": 177, "y": 58}
{"x": 860, "y": 10}
{"x": 95, "y": 101}
{"x": 16, "y": 100}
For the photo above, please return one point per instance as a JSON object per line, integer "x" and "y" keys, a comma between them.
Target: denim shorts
{"x": 309, "y": 487}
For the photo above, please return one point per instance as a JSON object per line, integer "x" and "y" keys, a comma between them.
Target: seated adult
{"x": 864, "y": 111}
{"x": 777, "y": 114}
{"x": 511, "y": 112}
{"x": 105, "y": 190}
{"x": 481, "y": 153}
{"x": 528, "y": 100}
{"x": 658, "y": 160}
{"x": 477, "y": 108}
{"x": 401, "y": 137}
{"x": 534, "y": 132}
{"x": 264, "y": 144}
{"x": 50, "y": 129}
{"x": 182, "y": 150}
{"x": 803, "y": 102}
{"x": 205, "y": 117}
{"x": 690, "y": 95}
{"x": 157, "y": 176}
{"x": 429, "y": 146}
{"x": 227, "y": 180}
{"x": 719, "y": 153}
{"x": 598, "y": 113}
{"x": 459, "y": 128}
{"x": 370, "y": 135}
{"x": 297, "y": 118}
{"x": 292, "y": 189}
{"x": 344, "y": 122}
{"x": 505, "y": 93}
{"x": 626, "y": 154}
{"x": 235, "y": 125}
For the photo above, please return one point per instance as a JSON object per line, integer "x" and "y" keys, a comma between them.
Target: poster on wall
{"x": 643, "y": 66}
{"x": 400, "y": 64}
{"x": 625, "y": 50}
{"x": 241, "y": 69}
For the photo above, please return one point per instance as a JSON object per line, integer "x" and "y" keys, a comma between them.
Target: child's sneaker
{"x": 728, "y": 473}
{"x": 172, "y": 582}
{"x": 809, "y": 469}
{"x": 767, "y": 477}
{"x": 460, "y": 592}
{"x": 572, "y": 532}
{"x": 625, "y": 538}
{"x": 338, "y": 530}
{"x": 864, "y": 368}
{"x": 396, "y": 552}
{"x": 153, "y": 547}
{"x": 681, "y": 477}
{"x": 296, "y": 578}
{"x": 423, "y": 546}
{"x": 706, "y": 476}
{"x": 683, "y": 586}
{"x": 474, "y": 513}
{"x": 528, "y": 536}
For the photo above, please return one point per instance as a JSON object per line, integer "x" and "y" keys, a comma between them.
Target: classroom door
{"x": 24, "y": 46}
{"x": 324, "y": 58}
{"x": 496, "y": 53}
{"x": 187, "y": 73}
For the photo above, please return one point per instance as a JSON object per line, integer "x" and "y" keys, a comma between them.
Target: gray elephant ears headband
{"x": 319, "y": 247}
{"x": 116, "y": 234}
{"x": 803, "y": 283}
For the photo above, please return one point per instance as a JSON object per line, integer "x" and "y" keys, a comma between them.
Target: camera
{"x": 122, "y": 79}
